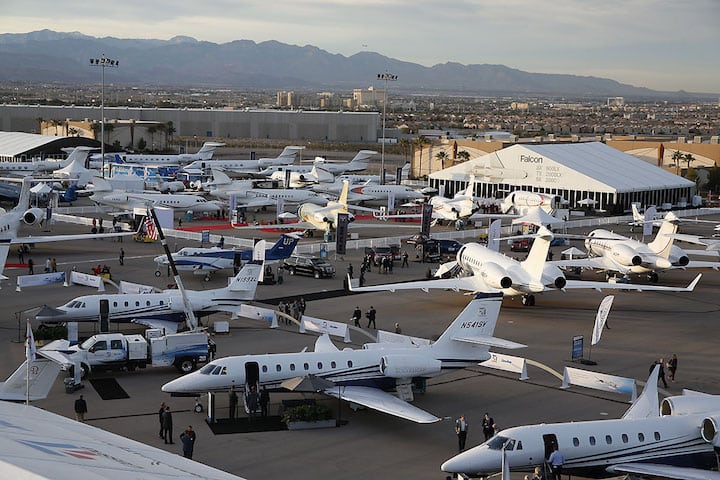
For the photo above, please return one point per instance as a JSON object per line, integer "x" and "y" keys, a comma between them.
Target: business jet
{"x": 286, "y": 157}
{"x": 166, "y": 306}
{"x": 357, "y": 164}
{"x": 204, "y": 261}
{"x": 23, "y": 213}
{"x": 613, "y": 252}
{"x": 361, "y": 376}
{"x": 645, "y": 220}
{"x": 41, "y": 445}
{"x": 205, "y": 153}
{"x": 521, "y": 202}
{"x": 317, "y": 174}
{"x": 485, "y": 270}
{"x": 37, "y": 166}
{"x": 647, "y": 441}
{"x": 104, "y": 194}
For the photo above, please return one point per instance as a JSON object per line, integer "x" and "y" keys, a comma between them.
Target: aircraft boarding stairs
{"x": 248, "y": 402}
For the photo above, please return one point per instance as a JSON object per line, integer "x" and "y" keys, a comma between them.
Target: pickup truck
{"x": 115, "y": 351}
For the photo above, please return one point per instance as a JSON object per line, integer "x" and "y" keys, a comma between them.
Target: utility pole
{"x": 387, "y": 77}
{"x": 103, "y": 62}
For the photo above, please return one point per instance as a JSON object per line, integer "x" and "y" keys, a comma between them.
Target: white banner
{"x": 129, "y": 287}
{"x": 40, "y": 279}
{"x": 601, "y": 318}
{"x": 508, "y": 363}
{"x": 599, "y": 381}
{"x": 390, "y": 337}
{"x": 87, "y": 279}
{"x": 650, "y": 213}
{"x": 391, "y": 201}
{"x": 325, "y": 326}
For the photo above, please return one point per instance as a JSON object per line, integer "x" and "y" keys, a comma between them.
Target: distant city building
{"x": 616, "y": 101}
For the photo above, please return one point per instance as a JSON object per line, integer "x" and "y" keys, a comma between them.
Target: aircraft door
{"x": 252, "y": 373}
{"x": 550, "y": 441}
{"x": 104, "y": 316}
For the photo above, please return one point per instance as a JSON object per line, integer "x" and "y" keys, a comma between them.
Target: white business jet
{"x": 357, "y": 164}
{"x": 647, "y": 441}
{"x": 104, "y": 194}
{"x": 205, "y": 153}
{"x": 286, "y": 157}
{"x": 349, "y": 373}
{"x": 485, "y": 270}
{"x": 166, "y": 306}
{"x": 612, "y": 252}
{"x": 521, "y": 202}
{"x": 38, "y": 444}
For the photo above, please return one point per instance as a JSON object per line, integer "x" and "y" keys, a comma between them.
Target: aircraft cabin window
{"x": 306, "y": 366}
{"x": 147, "y": 303}
{"x": 350, "y": 364}
{"x": 264, "y": 368}
{"x": 657, "y": 436}
{"x": 519, "y": 445}
{"x": 162, "y": 302}
{"x": 333, "y": 364}
{"x": 641, "y": 437}
{"x": 319, "y": 365}
{"x": 576, "y": 442}
{"x": 126, "y": 304}
{"x": 292, "y": 367}
{"x": 624, "y": 438}
{"x": 592, "y": 440}
{"x": 608, "y": 439}
{"x": 137, "y": 304}
{"x": 114, "y": 304}
{"x": 278, "y": 367}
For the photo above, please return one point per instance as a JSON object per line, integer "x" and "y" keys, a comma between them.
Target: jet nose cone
{"x": 473, "y": 461}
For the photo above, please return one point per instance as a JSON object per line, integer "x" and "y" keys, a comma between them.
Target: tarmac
{"x": 644, "y": 326}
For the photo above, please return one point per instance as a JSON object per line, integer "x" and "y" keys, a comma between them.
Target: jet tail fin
{"x": 534, "y": 265}
{"x": 43, "y": 373}
{"x": 342, "y": 200}
{"x": 646, "y": 405}
{"x": 664, "y": 239}
{"x": 283, "y": 248}
{"x": 246, "y": 280}
{"x": 477, "y": 320}
{"x": 24, "y": 198}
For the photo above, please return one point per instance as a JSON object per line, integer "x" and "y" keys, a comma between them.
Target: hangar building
{"x": 22, "y": 147}
{"x": 576, "y": 171}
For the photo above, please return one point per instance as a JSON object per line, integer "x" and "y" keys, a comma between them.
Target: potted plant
{"x": 308, "y": 416}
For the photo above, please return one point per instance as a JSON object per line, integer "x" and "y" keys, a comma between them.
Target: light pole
{"x": 384, "y": 76}
{"x": 103, "y": 62}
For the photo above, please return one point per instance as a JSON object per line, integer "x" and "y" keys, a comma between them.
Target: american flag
{"x": 150, "y": 230}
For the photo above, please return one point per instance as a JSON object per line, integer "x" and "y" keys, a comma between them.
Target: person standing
{"x": 47, "y": 265}
{"x": 188, "y": 441}
{"x": 672, "y": 366}
{"x": 398, "y": 330}
{"x": 302, "y": 305}
{"x": 488, "y": 426}
{"x": 371, "y": 317}
{"x": 661, "y": 374}
{"x": 53, "y": 265}
{"x": 232, "y": 400}
{"x": 404, "y": 259}
{"x": 161, "y": 412}
{"x": 168, "y": 425}
{"x": 556, "y": 461}
{"x": 31, "y": 266}
{"x": 80, "y": 409}
{"x": 350, "y": 270}
{"x": 357, "y": 314}
{"x": 122, "y": 256}
{"x": 252, "y": 400}
{"x": 461, "y": 429}
{"x": 264, "y": 400}
{"x": 21, "y": 254}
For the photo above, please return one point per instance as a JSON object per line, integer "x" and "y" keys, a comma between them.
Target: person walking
{"x": 556, "y": 461}
{"x": 53, "y": 265}
{"x": 21, "y": 254}
{"x": 122, "y": 256}
{"x": 356, "y": 316}
{"x": 264, "y": 400}
{"x": 31, "y": 266}
{"x": 80, "y": 409}
{"x": 350, "y": 270}
{"x": 232, "y": 400}
{"x": 488, "y": 427}
{"x": 371, "y": 317}
{"x": 47, "y": 265}
{"x": 672, "y": 366}
{"x": 168, "y": 425}
{"x": 302, "y": 305}
{"x": 404, "y": 259}
{"x": 188, "y": 441}
{"x": 161, "y": 412}
{"x": 461, "y": 429}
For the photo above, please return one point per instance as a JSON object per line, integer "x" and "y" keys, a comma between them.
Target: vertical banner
{"x": 650, "y": 213}
{"x": 426, "y": 219}
{"x": 494, "y": 236}
{"x": 280, "y": 206}
{"x": 577, "y": 347}
{"x": 287, "y": 178}
{"x": 391, "y": 201}
{"x": 341, "y": 230}
{"x": 398, "y": 175}
{"x": 601, "y": 318}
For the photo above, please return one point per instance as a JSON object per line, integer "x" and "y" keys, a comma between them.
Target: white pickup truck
{"x": 115, "y": 351}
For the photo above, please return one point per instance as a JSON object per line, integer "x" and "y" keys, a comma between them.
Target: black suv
{"x": 314, "y": 266}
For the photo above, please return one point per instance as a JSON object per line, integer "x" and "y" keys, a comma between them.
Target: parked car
{"x": 417, "y": 238}
{"x": 391, "y": 251}
{"x": 522, "y": 245}
{"x": 313, "y": 266}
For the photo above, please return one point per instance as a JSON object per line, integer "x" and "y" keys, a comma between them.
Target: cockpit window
{"x": 207, "y": 369}
{"x": 497, "y": 443}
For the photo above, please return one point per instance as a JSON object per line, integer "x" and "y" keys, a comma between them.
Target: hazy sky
{"x": 659, "y": 44}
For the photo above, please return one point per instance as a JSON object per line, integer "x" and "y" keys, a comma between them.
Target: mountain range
{"x": 49, "y": 56}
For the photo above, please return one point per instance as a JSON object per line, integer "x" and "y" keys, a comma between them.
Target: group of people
{"x": 462, "y": 426}
{"x": 187, "y": 437}
{"x": 293, "y": 308}
{"x": 671, "y": 365}
{"x": 254, "y": 400}
{"x": 370, "y": 315}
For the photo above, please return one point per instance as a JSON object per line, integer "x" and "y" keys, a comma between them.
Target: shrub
{"x": 307, "y": 413}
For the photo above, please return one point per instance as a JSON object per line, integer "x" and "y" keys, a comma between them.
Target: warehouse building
{"x": 581, "y": 173}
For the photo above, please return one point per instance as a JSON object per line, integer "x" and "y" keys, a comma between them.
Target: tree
{"x": 405, "y": 148}
{"x": 677, "y": 156}
{"x": 142, "y": 144}
{"x": 109, "y": 127}
{"x": 152, "y": 130}
{"x": 688, "y": 159}
{"x": 170, "y": 130}
{"x": 442, "y": 156}
{"x": 420, "y": 143}
{"x": 713, "y": 183}
{"x": 95, "y": 127}
{"x": 463, "y": 155}
{"x": 40, "y": 121}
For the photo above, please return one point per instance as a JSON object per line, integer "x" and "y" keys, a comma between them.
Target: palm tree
{"x": 420, "y": 143}
{"x": 170, "y": 130}
{"x": 40, "y": 121}
{"x": 677, "y": 156}
{"x": 688, "y": 159}
{"x": 463, "y": 155}
{"x": 95, "y": 127}
{"x": 108, "y": 130}
{"x": 405, "y": 148}
{"x": 442, "y": 156}
{"x": 152, "y": 130}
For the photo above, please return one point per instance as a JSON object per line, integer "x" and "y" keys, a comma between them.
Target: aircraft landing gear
{"x": 528, "y": 300}
{"x": 653, "y": 277}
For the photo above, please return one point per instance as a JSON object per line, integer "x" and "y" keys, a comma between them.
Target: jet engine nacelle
{"x": 495, "y": 276}
{"x": 709, "y": 430}
{"x": 689, "y": 404}
{"x": 409, "y": 366}
{"x": 33, "y": 216}
{"x": 626, "y": 255}
{"x": 560, "y": 282}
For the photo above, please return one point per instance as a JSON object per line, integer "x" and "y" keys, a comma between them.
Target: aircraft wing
{"x": 42, "y": 445}
{"x": 702, "y": 264}
{"x": 663, "y": 471}
{"x": 164, "y": 325}
{"x": 489, "y": 341}
{"x": 65, "y": 238}
{"x": 589, "y": 262}
{"x": 574, "y": 284}
{"x": 256, "y": 202}
{"x": 382, "y": 402}
{"x": 470, "y": 284}
{"x": 279, "y": 226}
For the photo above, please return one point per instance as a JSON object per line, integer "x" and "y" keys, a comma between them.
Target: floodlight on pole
{"x": 103, "y": 62}
{"x": 387, "y": 77}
